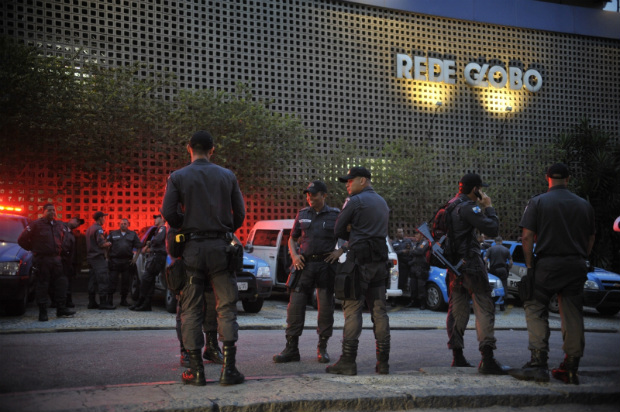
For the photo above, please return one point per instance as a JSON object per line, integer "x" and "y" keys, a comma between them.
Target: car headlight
{"x": 263, "y": 272}
{"x": 590, "y": 285}
{"x": 9, "y": 268}
{"x": 495, "y": 283}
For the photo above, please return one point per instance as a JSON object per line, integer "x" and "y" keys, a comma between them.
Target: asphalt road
{"x": 39, "y": 361}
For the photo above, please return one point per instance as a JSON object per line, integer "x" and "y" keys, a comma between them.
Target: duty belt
{"x": 316, "y": 258}
{"x": 206, "y": 235}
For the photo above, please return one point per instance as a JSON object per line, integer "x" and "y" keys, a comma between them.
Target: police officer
{"x": 311, "y": 246}
{"x": 69, "y": 256}
{"x": 44, "y": 238}
{"x": 213, "y": 210}
{"x": 418, "y": 269}
{"x": 156, "y": 254}
{"x": 471, "y": 210}
{"x": 562, "y": 224}
{"x": 363, "y": 221}
{"x": 499, "y": 260}
{"x": 96, "y": 247}
{"x": 124, "y": 249}
{"x": 402, "y": 246}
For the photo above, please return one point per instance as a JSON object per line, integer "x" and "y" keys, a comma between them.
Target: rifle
{"x": 437, "y": 249}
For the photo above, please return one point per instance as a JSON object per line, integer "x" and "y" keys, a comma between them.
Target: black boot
{"x": 63, "y": 312}
{"x": 69, "y": 302}
{"x": 137, "y": 304}
{"x": 92, "y": 301}
{"x": 124, "y": 300}
{"x": 111, "y": 300}
{"x": 185, "y": 358}
{"x": 195, "y": 375}
{"x": 321, "y": 350}
{"x": 104, "y": 304}
{"x": 145, "y": 306}
{"x": 290, "y": 352}
{"x": 458, "y": 359}
{"x": 230, "y": 375}
{"x": 212, "y": 349}
{"x": 43, "y": 313}
{"x": 346, "y": 364}
{"x": 383, "y": 356}
{"x": 535, "y": 370}
{"x": 567, "y": 371}
{"x": 488, "y": 365}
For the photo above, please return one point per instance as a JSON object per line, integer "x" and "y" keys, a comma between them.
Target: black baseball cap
{"x": 99, "y": 215}
{"x": 316, "y": 187}
{"x": 201, "y": 140}
{"x": 156, "y": 216}
{"x": 472, "y": 180}
{"x": 558, "y": 171}
{"x": 80, "y": 221}
{"x": 355, "y": 172}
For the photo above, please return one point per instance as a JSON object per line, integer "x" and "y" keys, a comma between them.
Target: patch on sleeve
{"x": 476, "y": 209}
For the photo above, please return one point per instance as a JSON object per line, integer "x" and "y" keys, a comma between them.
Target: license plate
{"x": 242, "y": 285}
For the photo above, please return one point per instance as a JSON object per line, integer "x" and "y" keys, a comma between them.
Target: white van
{"x": 268, "y": 240}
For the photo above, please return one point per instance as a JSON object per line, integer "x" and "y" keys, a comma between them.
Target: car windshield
{"x": 10, "y": 228}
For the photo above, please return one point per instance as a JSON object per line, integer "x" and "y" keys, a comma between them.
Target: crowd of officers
{"x": 203, "y": 202}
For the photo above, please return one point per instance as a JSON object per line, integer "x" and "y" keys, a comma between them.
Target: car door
{"x": 265, "y": 245}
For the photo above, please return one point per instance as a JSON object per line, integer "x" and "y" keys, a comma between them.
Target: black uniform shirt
{"x": 563, "y": 222}
{"x": 210, "y": 199}
{"x": 95, "y": 238}
{"x": 315, "y": 231}
{"x": 123, "y": 245}
{"x": 466, "y": 218}
{"x": 498, "y": 255}
{"x": 158, "y": 241}
{"x": 418, "y": 253}
{"x": 401, "y": 245}
{"x": 43, "y": 237}
{"x": 68, "y": 246}
{"x": 367, "y": 213}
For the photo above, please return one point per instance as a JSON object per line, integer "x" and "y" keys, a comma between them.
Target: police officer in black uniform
{"x": 363, "y": 221}
{"x": 44, "y": 238}
{"x": 418, "y": 268}
{"x": 213, "y": 209}
{"x": 499, "y": 260}
{"x": 311, "y": 246}
{"x": 402, "y": 246}
{"x": 122, "y": 258}
{"x": 96, "y": 247}
{"x": 70, "y": 265}
{"x": 562, "y": 224}
{"x": 473, "y": 211}
{"x": 156, "y": 255}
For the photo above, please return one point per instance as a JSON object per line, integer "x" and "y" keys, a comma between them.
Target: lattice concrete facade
{"x": 333, "y": 64}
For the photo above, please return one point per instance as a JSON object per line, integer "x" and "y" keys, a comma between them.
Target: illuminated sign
{"x": 476, "y": 75}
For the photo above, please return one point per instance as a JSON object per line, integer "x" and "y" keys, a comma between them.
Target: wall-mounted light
{"x": 430, "y": 125}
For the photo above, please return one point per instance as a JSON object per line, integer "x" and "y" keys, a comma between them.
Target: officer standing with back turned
{"x": 213, "y": 210}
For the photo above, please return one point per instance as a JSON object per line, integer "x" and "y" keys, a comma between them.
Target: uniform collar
{"x": 557, "y": 187}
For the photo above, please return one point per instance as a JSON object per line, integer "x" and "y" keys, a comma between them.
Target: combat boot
{"x": 212, "y": 350}
{"x": 458, "y": 359}
{"x": 489, "y": 365}
{"x": 145, "y": 306}
{"x": 321, "y": 350}
{"x": 383, "y": 356}
{"x": 536, "y": 369}
{"x": 137, "y": 304}
{"x": 92, "y": 301}
{"x": 124, "y": 300}
{"x": 230, "y": 375}
{"x": 346, "y": 364}
{"x": 43, "y": 313}
{"x": 69, "y": 302}
{"x": 195, "y": 375}
{"x": 63, "y": 312}
{"x": 104, "y": 304}
{"x": 111, "y": 300}
{"x": 567, "y": 371}
{"x": 290, "y": 352}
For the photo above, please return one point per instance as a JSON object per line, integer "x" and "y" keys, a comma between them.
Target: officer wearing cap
{"x": 418, "y": 262}
{"x": 156, "y": 254}
{"x": 363, "y": 221}
{"x": 213, "y": 209}
{"x": 96, "y": 247}
{"x": 122, "y": 257}
{"x": 44, "y": 238}
{"x": 471, "y": 211}
{"x": 311, "y": 246}
{"x": 562, "y": 224}
{"x": 69, "y": 256}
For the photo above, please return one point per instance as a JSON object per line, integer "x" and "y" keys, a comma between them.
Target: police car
{"x": 601, "y": 289}
{"x": 16, "y": 282}
{"x": 253, "y": 282}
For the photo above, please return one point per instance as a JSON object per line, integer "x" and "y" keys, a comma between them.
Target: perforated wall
{"x": 333, "y": 64}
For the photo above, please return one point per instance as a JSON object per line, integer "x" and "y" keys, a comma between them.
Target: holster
{"x": 175, "y": 243}
{"x": 347, "y": 285}
{"x": 526, "y": 286}
{"x": 176, "y": 276}
{"x": 293, "y": 279}
{"x": 235, "y": 258}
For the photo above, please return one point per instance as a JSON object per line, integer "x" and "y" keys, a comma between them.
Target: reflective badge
{"x": 476, "y": 209}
